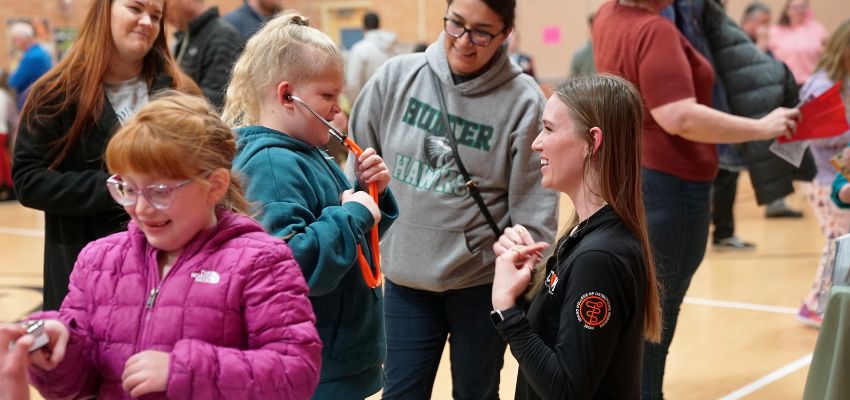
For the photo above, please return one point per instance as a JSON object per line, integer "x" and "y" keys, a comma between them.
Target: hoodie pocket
{"x": 426, "y": 257}
{"x": 347, "y": 305}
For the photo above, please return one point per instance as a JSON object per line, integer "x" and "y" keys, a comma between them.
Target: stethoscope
{"x": 373, "y": 281}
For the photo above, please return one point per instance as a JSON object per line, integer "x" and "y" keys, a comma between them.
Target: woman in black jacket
{"x": 119, "y": 59}
{"x": 582, "y": 335}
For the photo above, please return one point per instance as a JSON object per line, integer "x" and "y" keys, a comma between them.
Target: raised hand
{"x": 371, "y": 168}
{"x": 48, "y": 357}
{"x": 514, "y": 269}
{"x": 14, "y": 363}
{"x": 512, "y": 236}
{"x": 364, "y": 199}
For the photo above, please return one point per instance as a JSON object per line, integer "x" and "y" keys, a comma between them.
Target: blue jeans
{"x": 418, "y": 322}
{"x": 678, "y": 216}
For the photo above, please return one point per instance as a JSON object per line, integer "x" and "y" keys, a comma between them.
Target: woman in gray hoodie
{"x": 438, "y": 257}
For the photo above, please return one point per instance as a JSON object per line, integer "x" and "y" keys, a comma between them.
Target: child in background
{"x": 304, "y": 197}
{"x": 194, "y": 301}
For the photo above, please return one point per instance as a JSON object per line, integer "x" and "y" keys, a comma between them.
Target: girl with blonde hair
{"x": 834, "y": 217}
{"x": 287, "y": 72}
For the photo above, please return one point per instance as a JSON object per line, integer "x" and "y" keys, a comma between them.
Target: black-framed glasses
{"x": 456, "y": 30}
{"x": 160, "y": 196}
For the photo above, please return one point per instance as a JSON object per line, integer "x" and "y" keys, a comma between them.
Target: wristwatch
{"x": 496, "y": 317}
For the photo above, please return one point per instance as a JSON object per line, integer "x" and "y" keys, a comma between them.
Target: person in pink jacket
{"x": 194, "y": 300}
{"x": 797, "y": 40}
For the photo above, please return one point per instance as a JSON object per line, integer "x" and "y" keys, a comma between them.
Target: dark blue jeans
{"x": 418, "y": 322}
{"x": 724, "y": 190}
{"x": 678, "y": 215}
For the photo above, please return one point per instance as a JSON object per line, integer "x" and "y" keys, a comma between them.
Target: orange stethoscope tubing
{"x": 372, "y": 280}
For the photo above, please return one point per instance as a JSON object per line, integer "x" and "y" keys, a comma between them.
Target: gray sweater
{"x": 441, "y": 241}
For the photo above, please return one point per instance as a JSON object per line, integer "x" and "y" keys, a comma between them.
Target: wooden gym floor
{"x": 737, "y": 337}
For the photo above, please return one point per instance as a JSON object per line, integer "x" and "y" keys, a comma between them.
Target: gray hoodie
{"x": 365, "y": 57}
{"x": 441, "y": 240}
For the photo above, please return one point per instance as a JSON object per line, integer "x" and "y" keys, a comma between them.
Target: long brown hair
{"x": 76, "y": 80}
{"x": 835, "y": 52}
{"x": 177, "y": 136}
{"x": 614, "y": 105}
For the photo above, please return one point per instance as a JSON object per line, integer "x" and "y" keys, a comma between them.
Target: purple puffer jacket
{"x": 233, "y": 313}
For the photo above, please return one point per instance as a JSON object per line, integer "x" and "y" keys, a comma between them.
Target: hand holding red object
{"x": 823, "y": 117}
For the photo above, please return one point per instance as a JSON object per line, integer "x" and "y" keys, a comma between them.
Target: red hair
{"x": 76, "y": 80}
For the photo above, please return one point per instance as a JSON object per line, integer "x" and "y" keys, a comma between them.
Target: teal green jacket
{"x": 837, "y": 184}
{"x": 294, "y": 189}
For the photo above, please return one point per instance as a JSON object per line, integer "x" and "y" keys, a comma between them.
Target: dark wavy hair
{"x": 506, "y": 9}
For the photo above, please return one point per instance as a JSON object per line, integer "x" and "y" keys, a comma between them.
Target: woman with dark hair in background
{"x": 679, "y": 156}
{"x": 119, "y": 59}
{"x": 438, "y": 257}
{"x": 582, "y": 335}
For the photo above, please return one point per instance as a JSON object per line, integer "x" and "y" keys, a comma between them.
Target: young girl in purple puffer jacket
{"x": 195, "y": 300}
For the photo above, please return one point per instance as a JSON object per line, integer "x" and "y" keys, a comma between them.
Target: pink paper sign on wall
{"x": 551, "y": 34}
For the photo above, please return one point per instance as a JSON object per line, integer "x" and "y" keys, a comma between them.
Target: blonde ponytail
{"x": 287, "y": 48}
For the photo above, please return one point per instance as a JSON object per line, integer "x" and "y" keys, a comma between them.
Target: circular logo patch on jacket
{"x": 593, "y": 310}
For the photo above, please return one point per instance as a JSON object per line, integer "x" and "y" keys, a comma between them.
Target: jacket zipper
{"x": 151, "y": 281}
{"x": 151, "y": 298}
{"x": 144, "y": 327}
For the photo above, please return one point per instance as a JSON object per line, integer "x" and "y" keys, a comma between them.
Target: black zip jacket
{"x": 208, "y": 56}
{"x": 77, "y": 206}
{"x": 582, "y": 336}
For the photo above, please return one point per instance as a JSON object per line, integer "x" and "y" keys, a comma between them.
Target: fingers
{"x": 514, "y": 235}
{"x": 793, "y": 117}
{"x": 794, "y": 114}
{"x": 364, "y": 199}
{"x": 790, "y": 127}
{"x": 58, "y": 334}
{"x": 40, "y": 359}
{"x": 8, "y": 333}
{"x": 371, "y": 167}
{"x": 131, "y": 382}
{"x": 504, "y": 243}
{"x": 520, "y": 255}
{"x": 524, "y": 235}
{"x": 57, "y": 354}
{"x": 376, "y": 174}
{"x": 20, "y": 354}
{"x": 144, "y": 387}
{"x": 130, "y": 378}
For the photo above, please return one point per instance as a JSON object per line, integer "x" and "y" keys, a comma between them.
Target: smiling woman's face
{"x": 464, "y": 57}
{"x": 135, "y": 27}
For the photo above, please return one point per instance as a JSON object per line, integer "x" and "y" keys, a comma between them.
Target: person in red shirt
{"x": 679, "y": 158}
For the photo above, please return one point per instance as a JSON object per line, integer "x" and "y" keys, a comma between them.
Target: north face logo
{"x": 204, "y": 276}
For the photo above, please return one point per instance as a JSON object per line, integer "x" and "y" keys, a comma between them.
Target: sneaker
{"x": 780, "y": 210}
{"x": 7, "y": 194}
{"x": 733, "y": 243}
{"x": 809, "y": 317}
